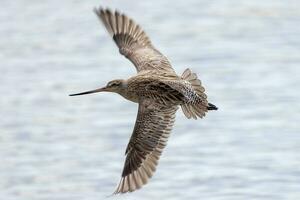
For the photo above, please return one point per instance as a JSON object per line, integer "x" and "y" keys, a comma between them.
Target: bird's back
{"x": 169, "y": 89}
{"x": 164, "y": 88}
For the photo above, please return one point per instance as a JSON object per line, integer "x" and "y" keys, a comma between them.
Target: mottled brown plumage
{"x": 159, "y": 92}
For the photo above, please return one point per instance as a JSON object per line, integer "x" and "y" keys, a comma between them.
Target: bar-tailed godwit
{"x": 157, "y": 89}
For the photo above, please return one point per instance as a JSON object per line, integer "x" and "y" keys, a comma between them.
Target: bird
{"x": 159, "y": 92}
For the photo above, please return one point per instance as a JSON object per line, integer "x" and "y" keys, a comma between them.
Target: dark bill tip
{"x": 88, "y": 92}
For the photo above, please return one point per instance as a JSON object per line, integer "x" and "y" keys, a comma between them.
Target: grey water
{"x": 56, "y": 147}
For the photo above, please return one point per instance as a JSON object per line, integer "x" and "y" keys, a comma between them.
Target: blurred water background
{"x": 247, "y": 54}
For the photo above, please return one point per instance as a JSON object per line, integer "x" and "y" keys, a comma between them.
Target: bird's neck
{"x": 123, "y": 91}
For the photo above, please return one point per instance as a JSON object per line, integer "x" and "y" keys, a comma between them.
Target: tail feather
{"x": 198, "y": 109}
{"x": 193, "y": 79}
{"x": 186, "y": 111}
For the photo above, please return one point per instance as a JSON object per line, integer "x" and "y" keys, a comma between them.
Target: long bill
{"x": 89, "y": 92}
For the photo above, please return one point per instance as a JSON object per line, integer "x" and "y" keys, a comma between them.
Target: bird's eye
{"x": 113, "y": 84}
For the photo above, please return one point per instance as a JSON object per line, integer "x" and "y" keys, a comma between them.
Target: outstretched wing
{"x": 152, "y": 128}
{"x": 133, "y": 42}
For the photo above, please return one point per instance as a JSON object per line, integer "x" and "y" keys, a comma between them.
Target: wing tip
{"x": 100, "y": 10}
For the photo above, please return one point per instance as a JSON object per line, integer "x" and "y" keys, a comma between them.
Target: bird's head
{"x": 115, "y": 85}
{"x": 112, "y": 86}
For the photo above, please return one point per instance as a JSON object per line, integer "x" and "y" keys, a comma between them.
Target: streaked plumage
{"x": 159, "y": 92}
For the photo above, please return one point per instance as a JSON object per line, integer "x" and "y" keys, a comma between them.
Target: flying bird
{"x": 157, "y": 89}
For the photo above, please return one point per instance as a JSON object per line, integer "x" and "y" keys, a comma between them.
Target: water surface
{"x": 247, "y": 54}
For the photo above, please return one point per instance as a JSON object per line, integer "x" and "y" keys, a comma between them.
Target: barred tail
{"x": 198, "y": 108}
{"x": 194, "y": 110}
